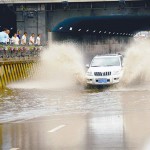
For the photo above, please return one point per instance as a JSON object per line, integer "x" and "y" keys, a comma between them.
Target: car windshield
{"x": 105, "y": 61}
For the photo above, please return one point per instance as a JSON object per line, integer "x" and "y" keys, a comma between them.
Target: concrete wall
{"x": 108, "y": 46}
{"x": 33, "y": 21}
{"x": 90, "y": 45}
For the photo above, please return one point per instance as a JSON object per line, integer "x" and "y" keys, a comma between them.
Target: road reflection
{"x": 136, "y": 114}
{"x": 33, "y": 134}
{"x": 75, "y": 120}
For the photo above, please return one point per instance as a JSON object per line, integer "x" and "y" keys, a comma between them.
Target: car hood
{"x": 104, "y": 69}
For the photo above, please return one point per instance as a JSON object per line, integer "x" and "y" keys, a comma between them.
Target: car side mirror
{"x": 87, "y": 65}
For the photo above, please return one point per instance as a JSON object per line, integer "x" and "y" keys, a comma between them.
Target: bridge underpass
{"x": 111, "y": 25}
{"x": 101, "y": 34}
{"x": 41, "y": 18}
{"x": 76, "y": 119}
{"x": 121, "y": 26}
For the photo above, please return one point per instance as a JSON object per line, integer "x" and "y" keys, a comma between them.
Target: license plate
{"x": 102, "y": 80}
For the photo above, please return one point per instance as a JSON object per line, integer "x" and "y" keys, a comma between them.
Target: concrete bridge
{"x": 54, "y": 1}
{"x": 122, "y": 16}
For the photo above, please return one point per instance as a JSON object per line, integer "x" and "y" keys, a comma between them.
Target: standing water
{"x": 72, "y": 118}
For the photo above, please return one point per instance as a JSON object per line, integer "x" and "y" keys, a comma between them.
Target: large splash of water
{"x": 61, "y": 66}
{"x": 136, "y": 63}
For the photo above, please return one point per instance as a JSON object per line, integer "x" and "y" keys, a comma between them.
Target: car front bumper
{"x": 102, "y": 80}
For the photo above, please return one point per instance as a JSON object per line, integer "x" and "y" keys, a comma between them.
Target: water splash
{"x": 61, "y": 66}
{"x": 136, "y": 63}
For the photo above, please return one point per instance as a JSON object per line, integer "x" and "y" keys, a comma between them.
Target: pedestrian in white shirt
{"x": 32, "y": 39}
{"x": 24, "y": 39}
{"x": 38, "y": 40}
{"x": 4, "y": 36}
{"x": 8, "y": 38}
{"x": 15, "y": 39}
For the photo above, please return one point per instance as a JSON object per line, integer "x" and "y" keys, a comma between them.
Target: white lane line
{"x": 57, "y": 128}
{"x": 14, "y": 148}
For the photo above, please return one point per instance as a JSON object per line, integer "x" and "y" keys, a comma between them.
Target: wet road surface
{"x": 77, "y": 119}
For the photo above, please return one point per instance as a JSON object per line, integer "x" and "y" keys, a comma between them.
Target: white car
{"x": 104, "y": 70}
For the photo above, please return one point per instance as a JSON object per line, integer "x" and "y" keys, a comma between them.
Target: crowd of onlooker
{"x": 15, "y": 47}
{"x": 17, "y": 39}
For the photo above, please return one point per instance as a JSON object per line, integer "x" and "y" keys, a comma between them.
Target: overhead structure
{"x": 56, "y": 1}
{"x": 104, "y": 17}
{"x": 105, "y": 25}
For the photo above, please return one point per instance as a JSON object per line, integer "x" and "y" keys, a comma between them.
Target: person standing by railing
{"x": 32, "y": 39}
{"x": 38, "y": 40}
{"x": 19, "y": 36}
{"x": 8, "y": 38}
{"x": 4, "y": 36}
{"x": 15, "y": 39}
{"x": 24, "y": 39}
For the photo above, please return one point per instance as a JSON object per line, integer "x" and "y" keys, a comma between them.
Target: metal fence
{"x": 19, "y": 52}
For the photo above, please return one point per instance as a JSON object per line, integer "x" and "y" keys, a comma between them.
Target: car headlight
{"x": 116, "y": 72}
{"x": 89, "y": 73}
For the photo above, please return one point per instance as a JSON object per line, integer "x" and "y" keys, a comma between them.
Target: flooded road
{"x": 75, "y": 119}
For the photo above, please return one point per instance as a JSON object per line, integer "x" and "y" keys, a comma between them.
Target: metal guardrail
{"x": 17, "y": 63}
{"x": 13, "y": 71}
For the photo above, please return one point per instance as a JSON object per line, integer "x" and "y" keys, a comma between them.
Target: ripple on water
{"x": 20, "y": 104}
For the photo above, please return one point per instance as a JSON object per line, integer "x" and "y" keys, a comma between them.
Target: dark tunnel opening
{"x": 8, "y": 18}
{"x": 101, "y": 29}
{"x": 101, "y": 34}
{"x": 121, "y": 25}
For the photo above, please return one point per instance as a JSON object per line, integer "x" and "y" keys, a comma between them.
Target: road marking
{"x": 57, "y": 128}
{"x": 14, "y": 148}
